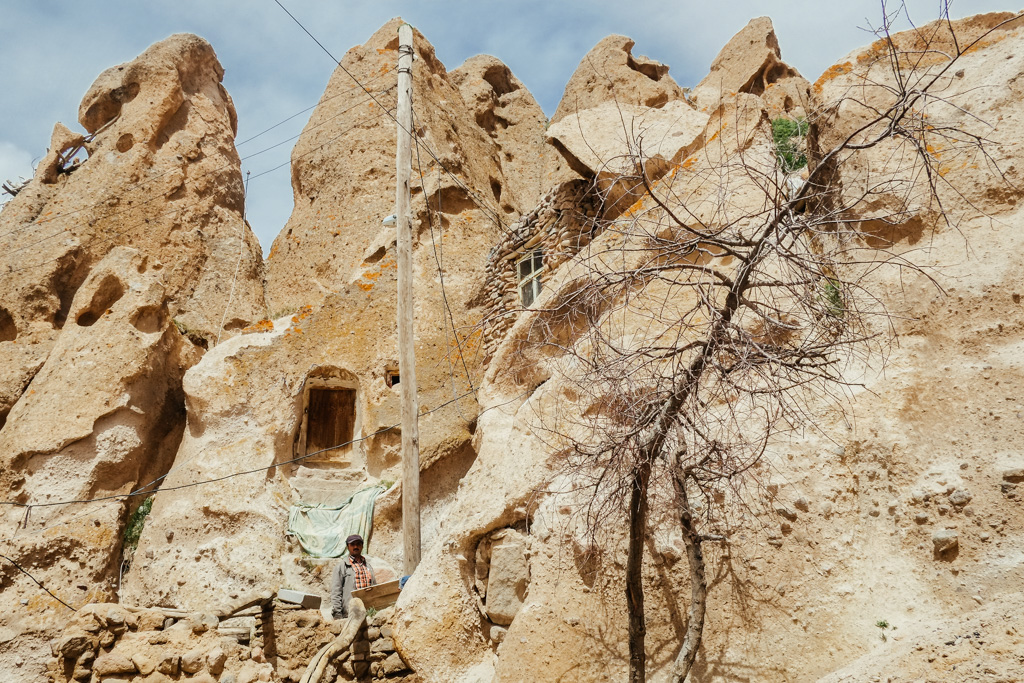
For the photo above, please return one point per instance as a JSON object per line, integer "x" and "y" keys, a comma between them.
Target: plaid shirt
{"x": 362, "y": 571}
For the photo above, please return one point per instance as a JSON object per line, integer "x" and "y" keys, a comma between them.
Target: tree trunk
{"x": 698, "y": 585}
{"x": 634, "y": 572}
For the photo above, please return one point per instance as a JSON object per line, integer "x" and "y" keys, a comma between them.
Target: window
{"x": 529, "y": 269}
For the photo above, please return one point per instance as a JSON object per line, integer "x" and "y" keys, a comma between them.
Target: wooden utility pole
{"x": 406, "y": 340}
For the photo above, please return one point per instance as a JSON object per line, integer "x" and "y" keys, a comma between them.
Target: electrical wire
{"x": 124, "y": 496}
{"x": 438, "y": 259}
{"x": 136, "y": 205}
{"x": 310, "y": 108}
{"x": 477, "y": 198}
{"x": 37, "y": 582}
{"x": 139, "y": 492}
{"x": 173, "y": 210}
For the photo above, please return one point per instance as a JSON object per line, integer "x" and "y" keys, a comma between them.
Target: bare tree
{"x": 734, "y": 294}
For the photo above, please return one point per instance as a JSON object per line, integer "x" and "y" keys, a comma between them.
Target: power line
{"x": 36, "y": 581}
{"x": 134, "y": 493}
{"x": 309, "y": 108}
{"x": 333, "y": 58}
{"x": 142, "y": 183}
{"x": 173, "y": 210}
{"x": 136, "y": 205}
{"x": 495, "y": 216}
{"x": 140, "y": 492}
{"x": 438, "y": 259}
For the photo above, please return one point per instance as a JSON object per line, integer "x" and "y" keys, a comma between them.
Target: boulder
{"x": 103, "y": 417}
{"x": 610, "y": 139}
{"x": 945, "y": 541}
{"x": 508, "y": 578}
{"x": 113, "y": 664}
{"x": 848, "y": 95}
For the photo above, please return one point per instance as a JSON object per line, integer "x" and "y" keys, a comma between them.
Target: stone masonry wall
{"x": 561, "y": 225}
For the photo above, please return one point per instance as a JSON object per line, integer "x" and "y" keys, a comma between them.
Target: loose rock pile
{"x": 373, "y": 653}
{"x": 109, "y": 642}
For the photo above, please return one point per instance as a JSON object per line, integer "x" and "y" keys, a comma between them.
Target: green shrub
{"x": 834, "y": 298}
{"x": 133, "y": 530}
{"x": 787, "y": 134}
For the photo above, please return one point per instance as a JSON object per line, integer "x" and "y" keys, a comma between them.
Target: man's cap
{"x": 353, "y": 538}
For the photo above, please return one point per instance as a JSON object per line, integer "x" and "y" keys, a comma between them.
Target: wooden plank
{"x": 380, "y": 595}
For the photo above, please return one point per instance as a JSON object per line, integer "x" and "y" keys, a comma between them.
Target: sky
{"x": 52, "y": 50}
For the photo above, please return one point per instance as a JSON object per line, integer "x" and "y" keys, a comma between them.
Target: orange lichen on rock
{"x": 302, "y": 314}
{"x": 834, "y": 71}
{"x": 261, "y": 326}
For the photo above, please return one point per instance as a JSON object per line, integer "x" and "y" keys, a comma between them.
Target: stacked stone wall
{"x": 561, "y": 225}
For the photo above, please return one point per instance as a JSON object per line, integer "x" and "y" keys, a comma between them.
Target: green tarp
{"x": 322, "y": 529}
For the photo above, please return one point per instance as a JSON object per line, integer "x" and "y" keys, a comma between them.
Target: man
{"x": 352, "y": 573}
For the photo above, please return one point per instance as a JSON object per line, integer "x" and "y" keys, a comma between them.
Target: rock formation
{"x": 889, "y": 541}
{"x": 751, "y": 62}
{"x": 901, "y": 519}
{"x": 345, "y": 339}
{"x": 611, "y": 73}
{"x": 334, "y": 236}
{"x": 507, "y": 112}
{"x": 106, "y": 261}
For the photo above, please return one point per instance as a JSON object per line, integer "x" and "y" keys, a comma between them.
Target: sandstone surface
{"x": 860, "y": 501}
{"x": 335, "y": 236}
{"x": 508, "y": 113}
{"x": 611, "y": 73}
{"x": 886, "y": 534}
{"x": 249, "y": 399}
{"x": 609, "y": 139}
{"x": 751, "y": 62}
{"x": 126, "y": 236}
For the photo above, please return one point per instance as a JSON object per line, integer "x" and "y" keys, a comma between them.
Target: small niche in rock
{"x": 125, "y": 142}
{"x": 235, "y": 324}
{"x": 68, "y": 277}
{"x": 148, "y": 320}
{"x": 106, "y": 295}
{"x": 3, "y": 418}
{"x": 375, "y": 256}
{"x": 8, "y": 330}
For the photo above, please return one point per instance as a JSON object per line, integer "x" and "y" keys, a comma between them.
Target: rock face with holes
{"x": 904, "y": 516}
{"x": 130, "y": 234}
{"x": 102, "y": 416}
{"x": 322, "y": 375}
{"x": 751, "y": 62}
{"x": 343, "y": 177}
{"x": 508, "y": 113}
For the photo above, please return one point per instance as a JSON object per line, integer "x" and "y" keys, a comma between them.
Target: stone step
{"x": 327, "y": 487}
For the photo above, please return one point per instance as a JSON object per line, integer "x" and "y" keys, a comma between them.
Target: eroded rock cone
{"x": 751, "y": 63}
{"x": 336, "y": 255}
{"x": 343, "y": 165}
{"x": 610, "y": 72}
{"x": 105, "y": 261}
{"x": 508, "y": 113}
